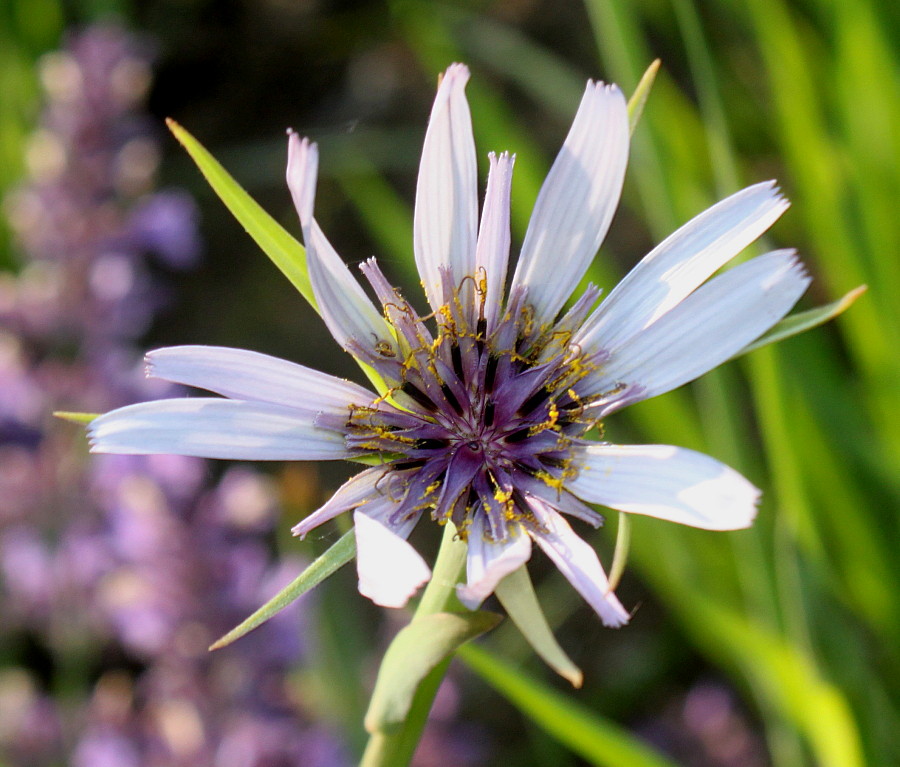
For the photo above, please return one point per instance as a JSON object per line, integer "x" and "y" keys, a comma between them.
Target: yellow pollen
{"x": 502, "y": 496}
{"x": 548, "y": 479}
{"x": 549, "y": 424}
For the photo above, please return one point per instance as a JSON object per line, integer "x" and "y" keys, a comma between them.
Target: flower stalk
{"x": 396, "y": 746}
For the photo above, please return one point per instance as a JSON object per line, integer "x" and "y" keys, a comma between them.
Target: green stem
{"x": 396, "y": 748}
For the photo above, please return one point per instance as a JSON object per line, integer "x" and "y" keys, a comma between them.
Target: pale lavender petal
{"x": 666, "y": 482}
{"x": 390, "y": 570}
{"x": 492, "y": 250}
{"x": 579, "y": 563}
{"x": 711, "y": 325}
{"x": 302, "y": 172}
{"x": 488, "y": 563}
{"x": 384, "y": 510}
{"x": 344, "y": 306}
{"x": 247, "y": 375}
{"x": 215, "y": 428}
{"x": 576, "y": 203}
{"x": 682, "y": 262}
{"x": 360, "y": 488}
{"x": 446, "y": 210}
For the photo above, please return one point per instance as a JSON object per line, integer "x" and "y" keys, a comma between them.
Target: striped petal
{"x": 344, "y": 306}
{"x": 489, "y": 562}
{"x": 681, "y": 263}
{"x": 666, "y": 482}
{"x": 390, "y": 570}
{"x": 215, "y": 428}
{"x": 578, "y": 562}
{"x": 446, "y": 211}
{"x": 703, "y": 331}
{"x": 492, "y": 250}
{"x": 247, "y": 375}
{"x": 576, "y": 203}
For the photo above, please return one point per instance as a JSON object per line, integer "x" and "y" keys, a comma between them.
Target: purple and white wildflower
{"x": 488, "y": 401}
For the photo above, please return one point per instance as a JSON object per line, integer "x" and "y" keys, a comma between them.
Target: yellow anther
{"x": 502, "y": 496}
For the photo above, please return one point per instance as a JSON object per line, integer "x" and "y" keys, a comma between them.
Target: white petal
{"x": 488, "y": 563}
{"x": 576, "y": 203}
{"x": 711, "y": 325}
{"x": 344, "y": 306}
{"x": 579, "y": 563}
{"x": 215, "y": 428}
{"x": 492, "y": 250}
{"x": 357, "y": 490}
{"x": 247, "y": 375}
{"x": 666, "y": 482}
{"x": 446, "y": 211}
{"x": 390, "y": 570}
{"x": 682, "y": 262}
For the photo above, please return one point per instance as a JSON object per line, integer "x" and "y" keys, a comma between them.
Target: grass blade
{"x": 596, "y": 740}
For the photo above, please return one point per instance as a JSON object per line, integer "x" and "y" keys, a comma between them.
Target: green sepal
{"x": 277, "y": 243}
{"x": 803, "y": 321}
{"x": 516, "y": 594}
{"x": 80, "y": 418}
{"x": 620, "y": 555}
{"x": 325, "y": 565}
{"x": 639, "y": 97}
{"x": 416, "y": 650}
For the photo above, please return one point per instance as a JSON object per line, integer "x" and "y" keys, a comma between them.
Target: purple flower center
{"x": 477, "y": 417}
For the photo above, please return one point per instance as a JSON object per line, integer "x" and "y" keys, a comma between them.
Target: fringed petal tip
{"x": 457, "y": 74}
{"x": 302, "y": 171}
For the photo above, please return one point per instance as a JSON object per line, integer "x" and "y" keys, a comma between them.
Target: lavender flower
{"x": 140, "y": 559}
{"x": 484, "y": 418}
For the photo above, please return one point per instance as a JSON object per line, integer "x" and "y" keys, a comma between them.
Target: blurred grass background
{"x": 798, "y": 617}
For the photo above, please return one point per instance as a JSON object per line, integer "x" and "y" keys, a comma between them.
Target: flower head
{"x": 490, "y": 400}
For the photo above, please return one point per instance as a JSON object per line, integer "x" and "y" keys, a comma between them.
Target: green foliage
{"x": 597, "y": 740}
{"x": 324, "y": 566}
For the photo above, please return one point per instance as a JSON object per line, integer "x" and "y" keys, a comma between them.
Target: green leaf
{"x": 516, "y": 594}
{"x": 277, "y": 243}
{"x": 82, "y": 418}
{"x": 594, "y": 739}
{"x": 788, "y": 676}
{"x": 803, "y": 321}
{"x": 325, "y": 565}
{"x": 416, "y": 650}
